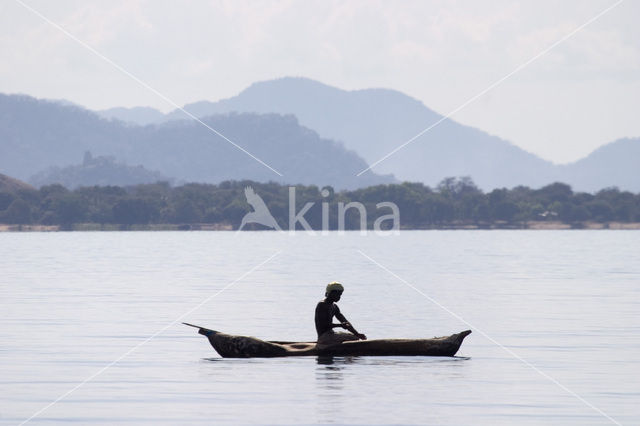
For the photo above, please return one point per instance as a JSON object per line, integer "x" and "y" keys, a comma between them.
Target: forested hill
{"x": 13, "y": 186}
{"x": 373, "y": 122}
{"x": 101, "y": 171}
{"x": 36, "y": 135}
{"x": 456, "y": 203}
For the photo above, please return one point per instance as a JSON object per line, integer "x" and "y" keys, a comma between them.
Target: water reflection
{"x": 329, "y": 373}
{"x": 330, "y": 383}
{"x": 330, "y": 360}
{"x": 339, "y": 378}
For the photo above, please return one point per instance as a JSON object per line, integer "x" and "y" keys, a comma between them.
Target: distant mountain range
{"x": 373, "y": 122}
{"x": 614, "y": 164}
{"x": 36, "y": 135}
{"x": 310, "y": 132}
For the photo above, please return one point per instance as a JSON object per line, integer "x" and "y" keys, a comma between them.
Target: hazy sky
{"x": 582, "y": 94}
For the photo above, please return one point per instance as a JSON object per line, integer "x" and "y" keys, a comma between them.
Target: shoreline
{"x": 532, "y": 225}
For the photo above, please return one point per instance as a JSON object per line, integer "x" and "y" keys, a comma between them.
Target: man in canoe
{"x": 325, "y": 311}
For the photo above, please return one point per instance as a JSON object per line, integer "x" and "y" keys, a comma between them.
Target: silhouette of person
{"x": 325, "y": 311}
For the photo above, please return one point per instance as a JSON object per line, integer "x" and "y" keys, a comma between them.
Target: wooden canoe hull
{"x": 230, "y": 346}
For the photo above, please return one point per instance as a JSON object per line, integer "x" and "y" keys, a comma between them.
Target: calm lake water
{"x": 564, "y": 303}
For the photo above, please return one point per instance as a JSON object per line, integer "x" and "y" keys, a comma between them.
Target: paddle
{"x": 191, "y": 325}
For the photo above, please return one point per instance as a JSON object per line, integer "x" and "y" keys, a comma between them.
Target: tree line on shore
{"x": 453, "y": 202}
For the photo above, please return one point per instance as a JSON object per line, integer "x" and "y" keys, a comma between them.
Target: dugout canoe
{"x": 230, "y": 346}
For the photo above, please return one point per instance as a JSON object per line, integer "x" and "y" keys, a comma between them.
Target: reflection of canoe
{"x": 229, "y": 346}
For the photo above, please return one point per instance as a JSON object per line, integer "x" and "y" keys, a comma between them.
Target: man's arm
{"x": 347, "y": 326}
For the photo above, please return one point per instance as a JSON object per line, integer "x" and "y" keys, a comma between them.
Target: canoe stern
{"x": 229, "y": 346}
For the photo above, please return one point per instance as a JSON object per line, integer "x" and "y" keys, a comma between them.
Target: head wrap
{"x": 334, "y": 286}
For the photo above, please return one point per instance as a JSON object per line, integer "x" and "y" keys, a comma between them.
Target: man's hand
{"x": 347, "y": 325}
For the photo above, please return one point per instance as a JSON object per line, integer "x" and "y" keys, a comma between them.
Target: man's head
{"x": 334, "y": 291}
